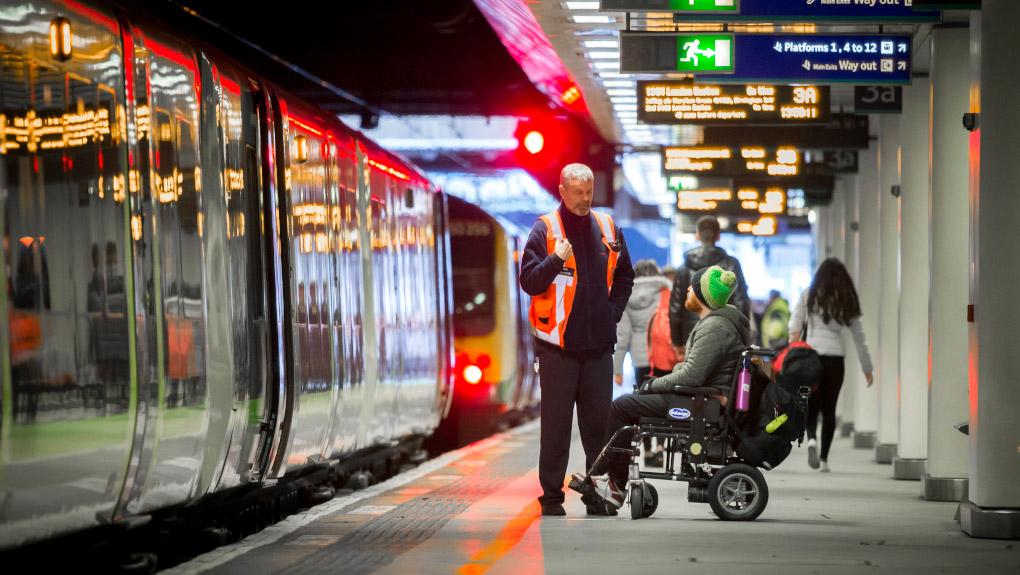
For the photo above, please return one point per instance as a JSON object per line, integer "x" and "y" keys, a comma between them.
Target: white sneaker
{"x": 607, "y": 490}
{"x": 812, "y": 453}
{"x": 825, "y": 466}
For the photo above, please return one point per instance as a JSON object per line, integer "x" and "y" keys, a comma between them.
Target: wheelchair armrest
{"x": 695, "y": 391}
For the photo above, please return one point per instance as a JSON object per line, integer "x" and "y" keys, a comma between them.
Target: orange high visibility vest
{"x": 550, "y": 311}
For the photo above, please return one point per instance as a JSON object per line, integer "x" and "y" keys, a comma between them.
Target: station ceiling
{"x": 403, "y": 57}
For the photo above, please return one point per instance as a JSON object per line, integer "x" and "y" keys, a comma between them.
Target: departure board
{"x": 721, "y": 104}
{"x": 731, "y": 161}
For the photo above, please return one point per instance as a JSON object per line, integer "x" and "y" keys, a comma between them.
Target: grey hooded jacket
{"x": 632, "y": 331}
{"x": 713, "y": 349}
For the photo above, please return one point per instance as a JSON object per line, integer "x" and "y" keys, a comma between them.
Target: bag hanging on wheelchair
{"x": 782, "y": 411}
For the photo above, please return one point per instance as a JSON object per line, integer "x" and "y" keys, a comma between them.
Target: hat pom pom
{"x": 728, "y": 278}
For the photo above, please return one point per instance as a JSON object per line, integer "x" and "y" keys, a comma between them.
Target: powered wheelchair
{"x": 700, "y": 432}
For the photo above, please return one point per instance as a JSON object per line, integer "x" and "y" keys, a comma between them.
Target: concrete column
{"x": 838, "y": 230}
{"x": 946, "y": 477}
{"x": 869, "y": 292}
{"x": 852, "y": 381}
{"x": 887, "y": 375}
{"x": 993, "y": 506}
{"x": 820, "y": 234}
{"x": 912, "y": 449}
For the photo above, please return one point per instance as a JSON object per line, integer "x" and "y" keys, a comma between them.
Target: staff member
{"x": 577, "y": 270}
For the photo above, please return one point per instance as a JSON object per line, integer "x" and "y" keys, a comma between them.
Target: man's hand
{"x": 870, "y": 377}
{"x": 563, "y": 249}
{"x": 618, "y": 379}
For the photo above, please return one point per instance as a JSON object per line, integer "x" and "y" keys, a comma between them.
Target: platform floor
{"x": 474, "y": 511}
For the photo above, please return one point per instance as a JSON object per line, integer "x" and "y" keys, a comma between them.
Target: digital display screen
{"x": 705, "y": 104}
{"x": 727, "y": 161}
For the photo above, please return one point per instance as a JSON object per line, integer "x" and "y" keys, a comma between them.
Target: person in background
{"x": 682, "y": 321}
{"x": 775, "y": 322}
{"x": 824, "y": 310}
{"x": 632, "y": 334}
{"x": 669, "y": 272}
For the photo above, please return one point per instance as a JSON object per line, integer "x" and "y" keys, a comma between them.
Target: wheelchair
{"x": 699, "y": 435}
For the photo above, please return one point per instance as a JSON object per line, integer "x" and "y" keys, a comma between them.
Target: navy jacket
{"x": 595, "y": 313}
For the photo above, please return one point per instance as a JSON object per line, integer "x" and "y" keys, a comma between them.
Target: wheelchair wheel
{"x": 651, "y": 500}
{"x": 637, "y": 500}
{"x": 738, "y": 492}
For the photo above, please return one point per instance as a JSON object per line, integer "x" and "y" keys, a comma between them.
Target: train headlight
{"x": 473, "y": 374}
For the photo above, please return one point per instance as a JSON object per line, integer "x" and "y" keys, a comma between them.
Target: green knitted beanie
{"x": 714, "y": 286}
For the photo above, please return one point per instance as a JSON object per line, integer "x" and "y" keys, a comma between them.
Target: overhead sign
{"x": 685, "y": 6}
{"x": 863, "y": 59}
{"x": 739, "y": 201}
{"x": 703, "y": 104}
{"x": 947, "y": 4}
{"x": 843, "y": 131}
{"x": 726, "y": 161}
{"x": 781, "y": 10}
{"x": 841, "y": 161}
{"x": 878, "y": 99}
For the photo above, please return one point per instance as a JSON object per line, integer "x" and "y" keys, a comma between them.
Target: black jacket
{"x": 681, "y": 321}
{"x": 595, "y": 313}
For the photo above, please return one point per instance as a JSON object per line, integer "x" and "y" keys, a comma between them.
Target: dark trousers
{"x": 627, "y": 410}
{"x": 568, "y": 378}
{"x": 824, "y": 401}
{"x": 640, "y": 373}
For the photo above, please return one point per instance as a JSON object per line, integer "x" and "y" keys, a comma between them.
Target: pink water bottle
{"x": 743, "y": 398}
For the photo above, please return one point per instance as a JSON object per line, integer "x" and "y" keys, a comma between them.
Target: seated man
{"x": 713, "y": 351}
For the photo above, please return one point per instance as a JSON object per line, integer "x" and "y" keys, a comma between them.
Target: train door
{"x": 269, "y": 460}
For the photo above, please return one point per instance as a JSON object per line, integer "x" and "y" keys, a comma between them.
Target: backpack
{"x": 660, "y": 345}
{"x": 781, "y": 415}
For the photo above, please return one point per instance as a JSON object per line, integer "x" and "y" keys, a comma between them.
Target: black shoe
{"x": 553, "y": 509}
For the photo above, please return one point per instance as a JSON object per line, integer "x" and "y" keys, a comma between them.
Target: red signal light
{"x": 473, "y": 374}
{"x": 534, "y": 142}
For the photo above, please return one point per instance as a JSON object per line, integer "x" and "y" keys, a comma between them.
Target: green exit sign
{"x": 704, "y": 52}
{"x": 704, "y": 5}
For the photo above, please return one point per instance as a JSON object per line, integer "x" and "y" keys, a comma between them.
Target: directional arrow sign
{"x": 855, "y": 59}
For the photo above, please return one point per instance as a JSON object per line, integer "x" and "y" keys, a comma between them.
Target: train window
{"x": 177, "y": 172}
{"x": 64, "y": 243}
{"x": 472, "y": 244}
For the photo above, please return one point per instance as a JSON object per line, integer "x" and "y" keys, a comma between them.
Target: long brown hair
{"x": 832, "y": 293}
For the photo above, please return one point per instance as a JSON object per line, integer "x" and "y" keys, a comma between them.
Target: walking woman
{"x": 824, "y": 310}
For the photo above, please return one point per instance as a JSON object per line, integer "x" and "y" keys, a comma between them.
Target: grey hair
{"x": 646, "y": 268}
{"x": 576, "y": 173}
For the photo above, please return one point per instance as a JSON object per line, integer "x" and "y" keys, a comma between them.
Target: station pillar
{"x": 993, "y": 505}
{"x": 946, "y": 476}
{"x": 887, "y": 375}
{"x": 867, "y": 222}
{"x": 912, "y": 448}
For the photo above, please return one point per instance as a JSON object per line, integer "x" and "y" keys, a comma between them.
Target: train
{"x": 222, "y": 303}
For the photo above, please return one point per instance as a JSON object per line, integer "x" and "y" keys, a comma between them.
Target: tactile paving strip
{"x": 379, "y": 541}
